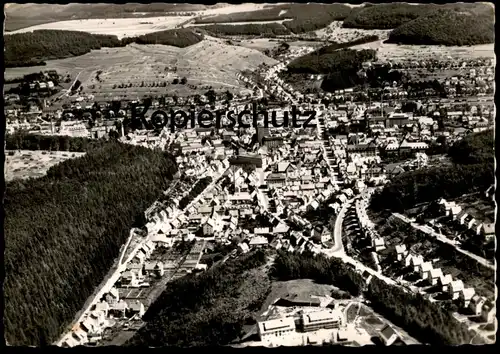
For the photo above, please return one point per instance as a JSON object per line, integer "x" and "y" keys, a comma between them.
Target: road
{"x": 69, "y": 89}
{"x": 429, "y": 231}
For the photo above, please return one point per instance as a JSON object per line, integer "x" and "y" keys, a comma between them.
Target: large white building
{"x": 279, "y": 328}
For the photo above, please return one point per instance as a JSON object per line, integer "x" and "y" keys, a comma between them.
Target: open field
{"x": 26, "y": 164}
{"x": 208, "y": 63}
{"x": 234, "y": 23}
{"x": 365, "y": 319}
{"x": 335, "y": 32}
{"x": 120, "y": 27}
{"x": 127, "y": 27}
{"x": 395, "y": 52}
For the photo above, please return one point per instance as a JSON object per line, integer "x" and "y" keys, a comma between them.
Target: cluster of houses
{"x": 459, "y": 216}
{"x": 455, "y": 288}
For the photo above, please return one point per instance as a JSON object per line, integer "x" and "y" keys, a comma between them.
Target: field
{"x": 208, "y": 63}
{"x": 26, "y": 164}
{"x": 365, "y": 319}
{"x": 120, "y": 27}
{"x": 335, "y": 32}
{"x": 395, "y": 52}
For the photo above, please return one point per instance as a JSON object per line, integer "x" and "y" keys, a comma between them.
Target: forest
{"x": 33, "y": 48}
{"x": 340, "y": 66}
{"x": 64, "y": 230}
{"x": 385, "y": 16}
{"x": 426, "y": 321}
{"x": 301, "y": 17}
{"x": 207, "y": 309}
{"x": 25, "y": 141}
{"x": 473, "y": 170}
{"x": 343, "y": 60}
{"x": 177, "y": 37}
{"x": 447, "y": 27}
{"x": 250, "y": 29}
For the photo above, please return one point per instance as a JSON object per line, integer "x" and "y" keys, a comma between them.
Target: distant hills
{"x": 25, "y": 15}
{"x": 450, "y": 24}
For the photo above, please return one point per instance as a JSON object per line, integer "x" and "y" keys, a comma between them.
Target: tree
{"x": 211, "y": 96}
{"x": 175, "y": 81}
{"x": 183, "y": 81}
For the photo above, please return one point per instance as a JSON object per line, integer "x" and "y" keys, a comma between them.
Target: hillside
{"x": 25, "y": 15}
{"x": 34, "y": 48}
{"x": 339, "y": 65}
{"x": 207, "y": 309}
{"x": 265, "y": 29}
{"x": 473, "y": 171}
{"x": 447, "y": 27}
{"x": 450, "y": 24}
{"x": 304, "y": 17}
{"x": 63, "y": 231}
{"x": 385, "y": 16}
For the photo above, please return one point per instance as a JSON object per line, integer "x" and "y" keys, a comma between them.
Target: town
{"x": 279, "y": 188}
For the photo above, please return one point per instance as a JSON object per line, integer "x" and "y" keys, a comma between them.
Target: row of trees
{"x": 426, "y": 321}
{"x": 25, "y": 141}
{"x": 385, "y": 16}
{"x": 195, "y": 191}
{"x": 63, "y": 231}
{"x": 250, "y": 29}
{"x": 208, "y": 309}
{"x": 473, "y": 170}
{"x": 302, "y": 17}
{"x": 33, "y": 48}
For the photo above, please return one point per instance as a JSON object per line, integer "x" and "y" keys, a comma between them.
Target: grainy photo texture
{"x": 249, "y": 175}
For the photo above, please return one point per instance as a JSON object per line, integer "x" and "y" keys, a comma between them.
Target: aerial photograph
{"x": 249, "y": 175}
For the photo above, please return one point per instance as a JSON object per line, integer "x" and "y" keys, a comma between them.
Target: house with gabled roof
{"x": 455, "y": 288}
{"x": 476, "y": 304}
{"x": 488, "y": 312}
{"x": 416, "y": 262}
{"x": 425, "y": 269}
{"x": 445, "y": 282}
{"x": 389, "y": 336}
{"x": 434, "y": 275}
{"x": 401, "y": 252}
{"x": 465, "y": 296}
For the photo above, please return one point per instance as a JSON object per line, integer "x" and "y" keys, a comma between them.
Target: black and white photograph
{"x": 249, "y": 175}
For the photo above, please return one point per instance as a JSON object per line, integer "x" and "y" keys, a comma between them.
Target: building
{"x": 389, "y": 336}
{"x": 273, "y": 329}
{"x": 476, "y": 304}
{"x": 272, "y": 141}
{"x": 327, "y": 319}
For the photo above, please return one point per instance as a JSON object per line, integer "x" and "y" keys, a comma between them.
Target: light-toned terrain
{"x": 395, "y": 52}
{"x": 25, "y": 164}
{"x": 335, "y": 32}
{"x": 128, "y": 27}
{"x": 120, "y": 27}
{"x": 211, "y": 62}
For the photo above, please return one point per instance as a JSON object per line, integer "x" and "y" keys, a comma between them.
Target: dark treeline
{"x": 331, "y": 62}
{"x": 429, "y": 322}
{"x": 426, "y": 321}
{"x": 335, "y": 46}
{"x": 447, "y": 27}
{"x": 385, "y": 16}
{"x": 302, "y": 17}
{"x": 208, "y": 309}
{"x": 263, "y": 29}
{"x": 195, "y": 191}
{"x": 289, "y": 266}
{"x": 178, "y": 38}
{"x": 25, "y": 141}
{"x": 473, "y": 171}
{"x": 33, "y": 48}
{"x": 63, "y": 231}
{"x": 340, "y": 66}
